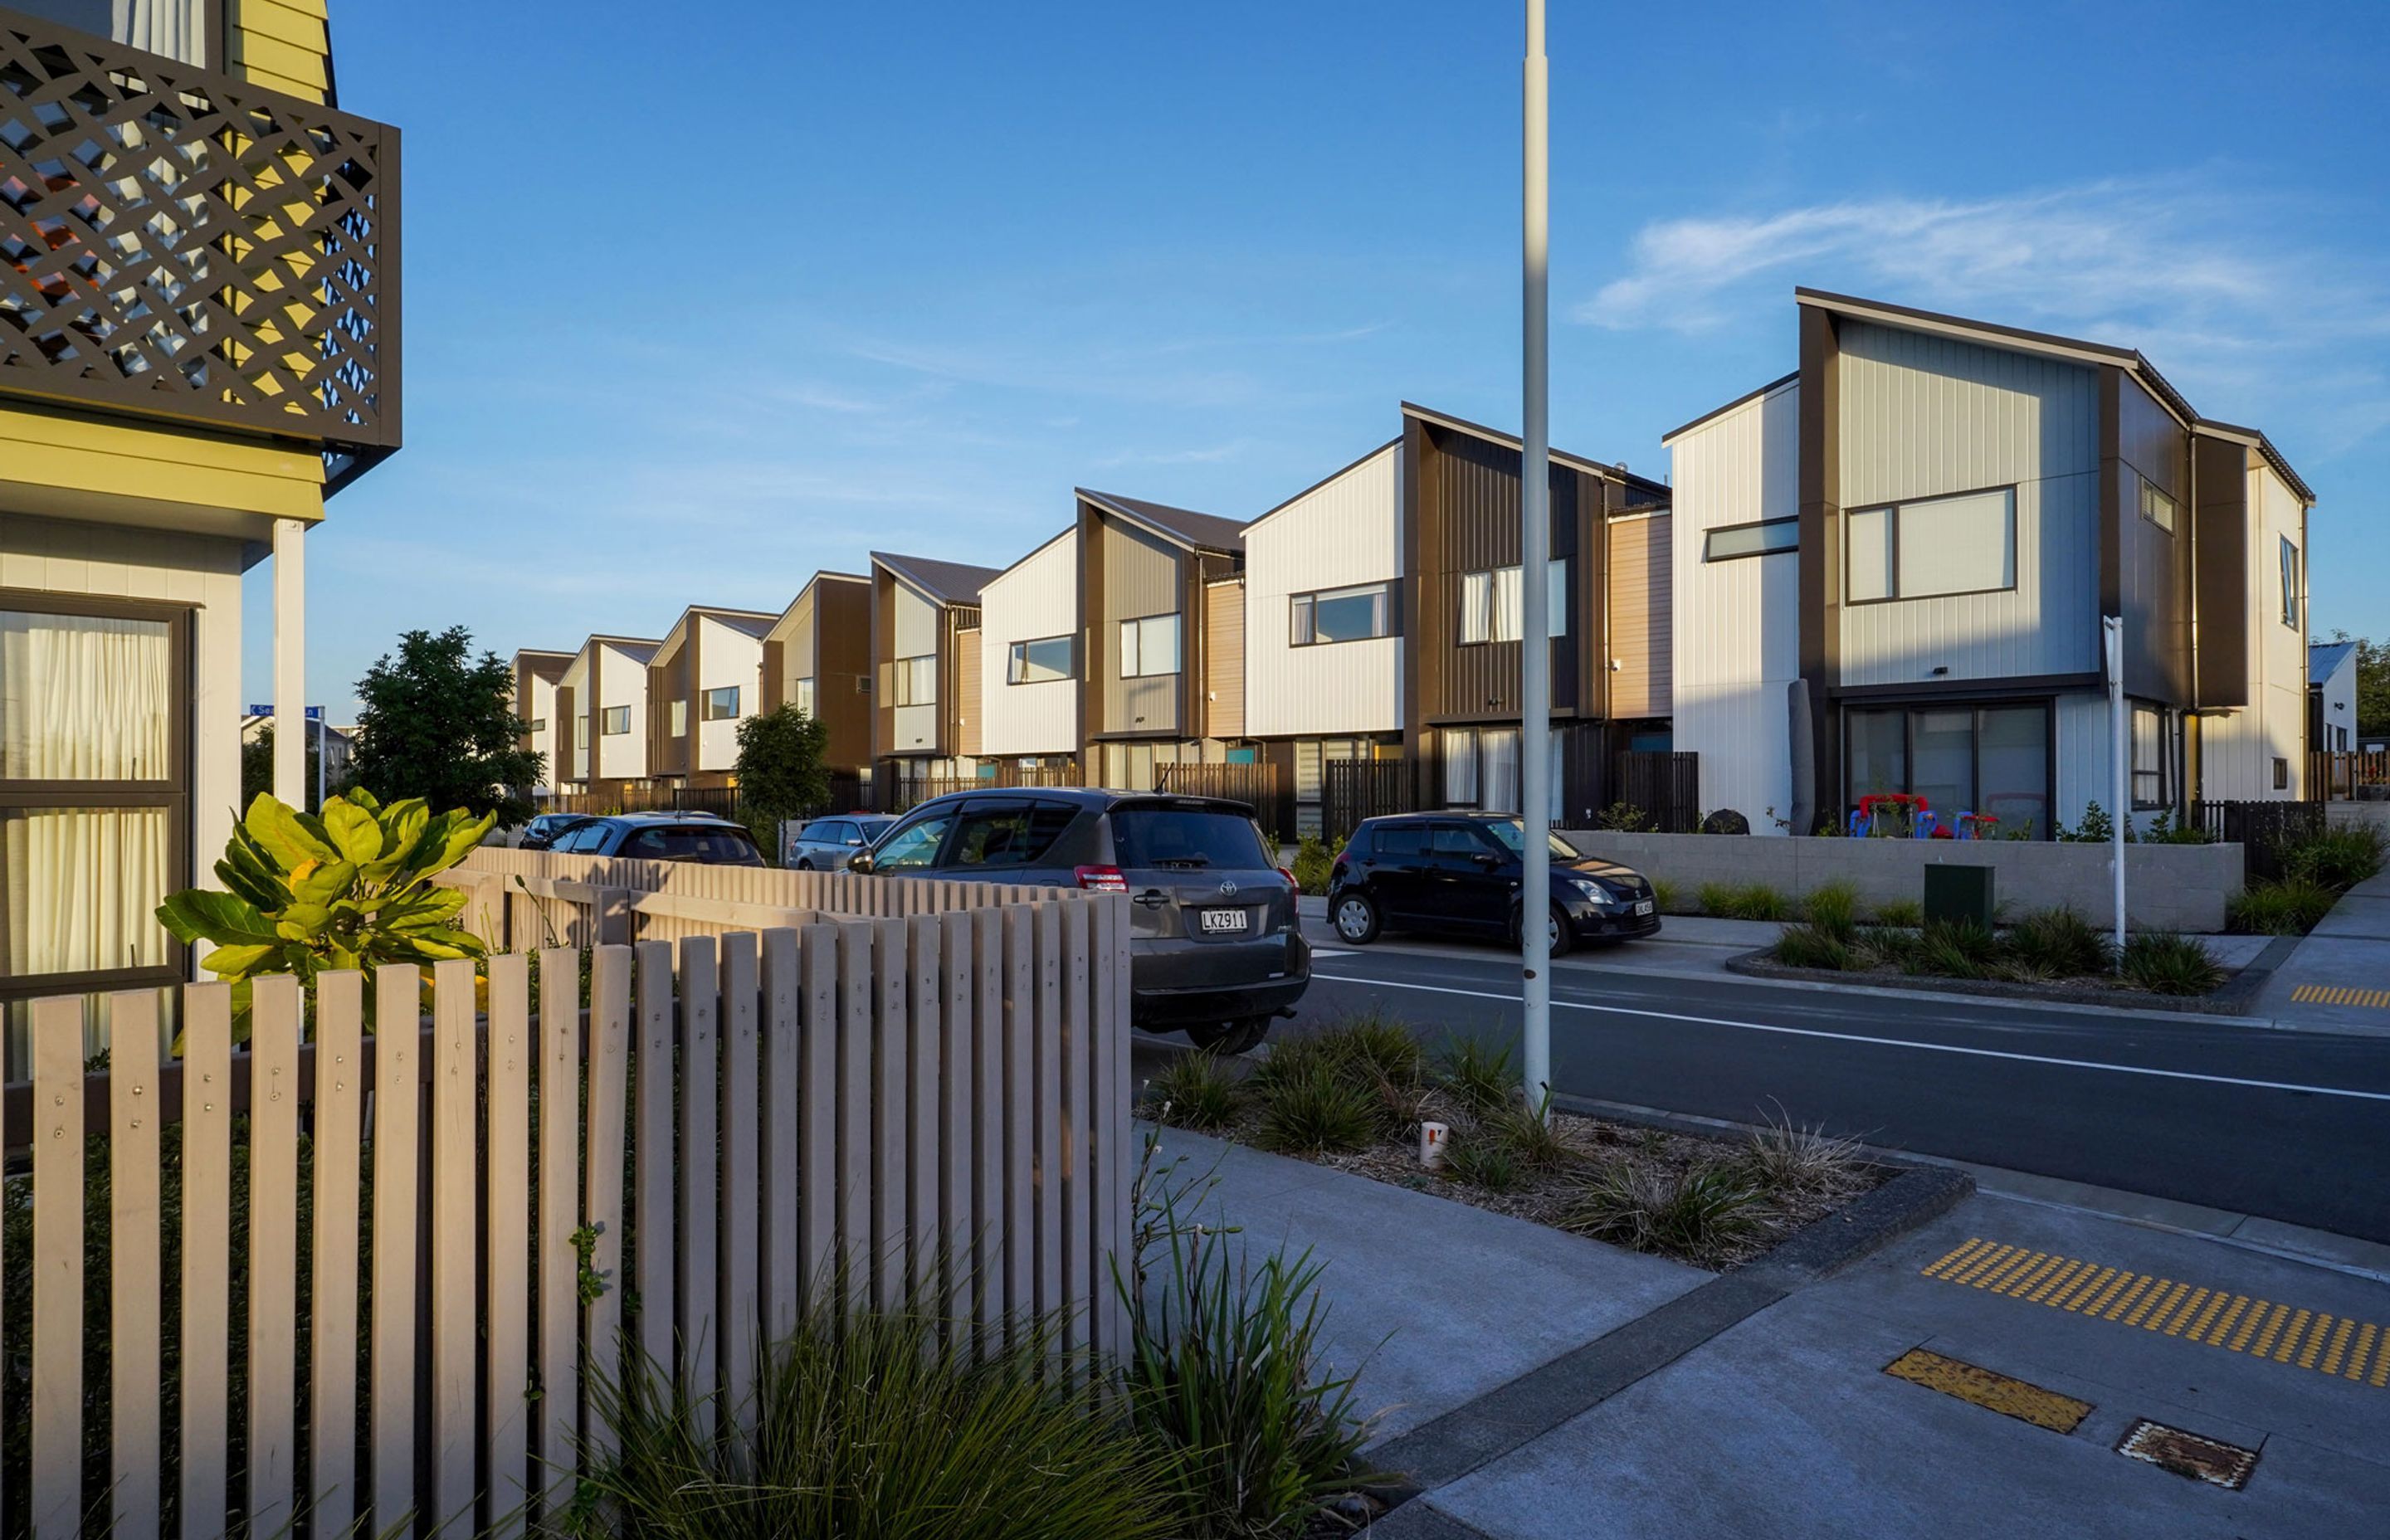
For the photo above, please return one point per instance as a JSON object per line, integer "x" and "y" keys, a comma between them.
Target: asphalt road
{"x": 2288, "y": 1125}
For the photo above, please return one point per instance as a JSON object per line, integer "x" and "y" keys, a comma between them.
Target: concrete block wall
{"x": 2166, "y": 887}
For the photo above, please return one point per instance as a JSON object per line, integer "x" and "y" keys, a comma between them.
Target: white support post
{"x": 290, "y": 661}
{"x": 2111, "y": 635}
{"x": 1535, "y": 549}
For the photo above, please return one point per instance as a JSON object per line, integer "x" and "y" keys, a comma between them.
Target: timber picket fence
{"x": 925, "y": 1107}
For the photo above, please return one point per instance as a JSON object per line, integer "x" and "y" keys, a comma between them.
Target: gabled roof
{"x": 2051, "y": 345}
{"x": 1065, "y": 532}
{"x": 1196, "y": 531}
{"x": 2325, "y": 657}
{"x": 1618, "y": 473}
{"x": 1333, "y": 475}
{"x": 1744, "y": 400}
{"x": 946, "y": 582}
{"x": 754, "y": 622}
{"x": 641, "y": 648}
{"x": 544, "y": 663}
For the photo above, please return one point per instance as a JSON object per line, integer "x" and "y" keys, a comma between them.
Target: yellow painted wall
{"x": 284, "y": 43}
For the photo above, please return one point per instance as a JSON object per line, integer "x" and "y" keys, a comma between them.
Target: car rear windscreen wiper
{"x": 1188, "y": 861}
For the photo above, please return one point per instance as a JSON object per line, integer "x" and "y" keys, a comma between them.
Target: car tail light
{"x": 1289, "y": 878}
{"x": 1101, "y": 879}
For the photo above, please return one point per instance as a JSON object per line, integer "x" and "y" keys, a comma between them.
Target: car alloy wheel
{"x": 1356, "y": 920}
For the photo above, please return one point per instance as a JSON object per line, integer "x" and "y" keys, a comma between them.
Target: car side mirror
{"x": 1488, "y": 859}
{"x": 860, "y": 862}
{"x": 855, "y": 842}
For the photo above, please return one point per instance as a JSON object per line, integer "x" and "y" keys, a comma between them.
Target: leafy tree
{"x": 257, "y": 768}
{"x": 440, "y": 724}
{"x": 780, "y": 771}
{"x": 2372, "y": 688}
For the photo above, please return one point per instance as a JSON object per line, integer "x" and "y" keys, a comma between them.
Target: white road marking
{"x": 1880, "y": 1042}
{"x": 1328, "y": 952}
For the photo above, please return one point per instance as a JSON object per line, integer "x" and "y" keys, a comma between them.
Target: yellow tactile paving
{"x": 2316, "y": 1340}
{"x": 1998, "y": 1392}
{"x": 2332, "y": 994}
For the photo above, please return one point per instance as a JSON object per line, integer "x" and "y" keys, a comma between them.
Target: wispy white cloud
{"x": 2224, "y": 286}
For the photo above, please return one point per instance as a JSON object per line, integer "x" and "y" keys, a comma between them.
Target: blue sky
{"x": 753, "y": 289}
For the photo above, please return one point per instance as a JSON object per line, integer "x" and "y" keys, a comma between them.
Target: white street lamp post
{"x": 1535, "y": 546}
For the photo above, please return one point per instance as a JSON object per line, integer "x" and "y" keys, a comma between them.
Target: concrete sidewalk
{"x": 1658, "y": 1401}
{"x": 2337, "y": 979}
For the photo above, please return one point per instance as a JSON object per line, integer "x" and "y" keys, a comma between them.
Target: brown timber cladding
{"x": 1639, "y": 617}
{"x": 1224, "y": 658}
{"x": 1143, "y": 575}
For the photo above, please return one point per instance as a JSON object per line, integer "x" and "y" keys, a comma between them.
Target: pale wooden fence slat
{"x": 505, "y": 1200}
{"x": 134, "y": 1291}
{"x": 332, "y": 1314}
{"x": 932, "y": 1103}
{"x": 397, "y": 1215}
{"x": 57, "y": 1137}
{"x": 273, "y": 1251}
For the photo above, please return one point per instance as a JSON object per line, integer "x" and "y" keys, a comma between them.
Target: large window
{"x": 94, "y": 725}
{"x": 678, "y": 713}
{"x": 721, "y": 704}
{"x": 1492, "y": 603}
{"x": 1041, "y": 661}
{"x": 917, "y": 681}
{"x": 1482, "y": 769}
{"x": 615, "y": 721}
{"x": 1961, "y": 759}
{"x": 1766, "y": 538}
{"x": 2289, "y": 585}
{"x": 1341, "y": 615}
{"x": 1934, "y": 545}
{"x": 803, "y": 699}
{"x": 1149, "y": 647}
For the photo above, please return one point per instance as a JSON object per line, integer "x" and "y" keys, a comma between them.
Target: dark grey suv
{"x": 1214, "y": 947}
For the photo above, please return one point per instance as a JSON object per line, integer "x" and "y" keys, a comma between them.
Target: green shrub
{"x": 1881, "y": 946}
{"x": 2061, "y": 942}
{"x": 879, "y": 1423}
{"x": 1529, "y": 1134}
{"x": 2337, "y": 858}
{"x": 2096, "y": 829}
{"x": 2291, "y": 907}
{"x": 2164, "y": 963}
{"x": 1701, "y": 1212}
{"x": 1479, "y": 1076}
{"x": 1908, "y": 914}
{"x": 1784, "y": 1157}
{"x": 1625, "y": 818}
{"x": 1193, "y": 1090}
{"x": 1224, "y": 1376}
{"x": 1314, "y": 1109}
{"x": 1374, "y": 1046}
{"x": 1482, "y": 1161}
{"x": 1743, "y": 901}
{"x": 1314, "y": 860}
{"x": 1833, "y": 908}
{"x": 1665, "y": 897}
{"x": 1809, "y": 945}
{"x": 1961, "y": 938}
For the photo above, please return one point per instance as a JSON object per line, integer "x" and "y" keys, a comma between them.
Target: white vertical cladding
{"x": 1922, "y": 415}
{"x": 577, "y": 679}
{"x": 2238, "y": 751}
{"x": 726, "y": 657}
{"x": 1736, "y": 626}
{"x": 539, "y": 707}
{"x": 2082, "y": 752}
{"x": 622, "y": 681}
{"x": 1035, "y": 599}
{"x": 1345, "y": 532}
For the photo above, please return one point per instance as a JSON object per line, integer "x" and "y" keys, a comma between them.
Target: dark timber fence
{"x": 1355, "y": 790}
{"x": 1667, "y": 787}
{"x": 2260, "y": 829}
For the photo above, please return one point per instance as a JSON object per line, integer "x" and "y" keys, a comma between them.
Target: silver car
{"x": 828, "y": 844}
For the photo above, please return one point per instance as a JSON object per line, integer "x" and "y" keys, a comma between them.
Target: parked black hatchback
{"x": 1214, "y": 948}
{"x": 1460, "y": 872}
{"x": 698, "y": 838}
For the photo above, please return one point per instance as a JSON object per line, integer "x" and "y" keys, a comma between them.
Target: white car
{"x": 828, "y": 844}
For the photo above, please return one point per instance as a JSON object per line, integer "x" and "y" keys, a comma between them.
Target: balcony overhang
{"x": 185, "y": 248}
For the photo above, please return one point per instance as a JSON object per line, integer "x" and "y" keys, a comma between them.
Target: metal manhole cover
{"x": 2188, "y": 1455}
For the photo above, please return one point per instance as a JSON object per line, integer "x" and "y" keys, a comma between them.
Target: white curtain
{"x": 84, "y": 698}
{"x": 81, "y": 886}
{"x": 174, "y": 28}
{"x": 1460, "y": 753}
{"x": 1499, "y": 775}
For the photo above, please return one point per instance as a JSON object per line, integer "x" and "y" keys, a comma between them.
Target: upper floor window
{"x": 536, "y": 724}
{"x": 1492, "y": 603}
{"x": 1040, "y": 662}
{"x": 1149, "y": 647}
{"x": 803, "y": 699}
{"x": 916, "y": 681}
{"x": 2156, "y": 506}
{"x": 1764, "y": 538}
{"x": 679, "y": 719}
{"x": 2150, "y": 738}
{"x": 1931, "y": 546}
{"x": 615, "y": 720}
{"x": 1341, "y": 615}
{"x": 2290, "y": 584}
{"x": 721, "y": 704}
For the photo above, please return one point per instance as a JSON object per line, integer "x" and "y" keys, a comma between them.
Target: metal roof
{"x": 1202, "y": 532}
{"x": 947, "y": 581}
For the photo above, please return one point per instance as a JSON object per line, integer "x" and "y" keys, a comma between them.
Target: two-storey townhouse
{"x": 601, "y": 700}
{"x": 2331, "y": 698}
{"x": 1163, "y": 628}
{"x": 1029, "y": 665}
{"x": 1893, "y": 567}
{"x": 925, "y": 648}
{"x": 537, "y": 673}
{"x": 1460, "y": 488}
{"x": 172, "y": 176}
{"x": 706, "y": 674}
{"x": 818, "y": 658}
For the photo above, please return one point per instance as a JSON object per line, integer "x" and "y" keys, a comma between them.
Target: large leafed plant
{"x": 351, "y": 889}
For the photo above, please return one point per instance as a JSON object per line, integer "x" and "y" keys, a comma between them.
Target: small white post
{"x": 2111, "y": 635}
{"x": 290, "y": 660}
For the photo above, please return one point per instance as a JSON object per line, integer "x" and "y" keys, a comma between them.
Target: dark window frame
{"x": 1910, "y": 709}
{"x": 2293, "y": 590}
{"x": 1382, "y": 588}
{"x": 2164, "y": 767}
{"x": 1894, "y": 508}
{"x": 606, "y": 718}
{"x": 1709, "y": 540}
{"x": 2148, "y": 488}
{"x": 1177, "y": 616}
{"x": 172, "y": 793}
{"x": 706, "y": 702}
{"x": 1562, "y": 612}
{"x": 1016, "y": 659}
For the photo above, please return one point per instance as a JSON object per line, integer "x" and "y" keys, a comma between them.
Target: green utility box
{"x": 1955, "y": 893}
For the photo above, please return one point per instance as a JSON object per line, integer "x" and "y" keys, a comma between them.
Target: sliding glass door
{"x": 1962, "y": 759}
